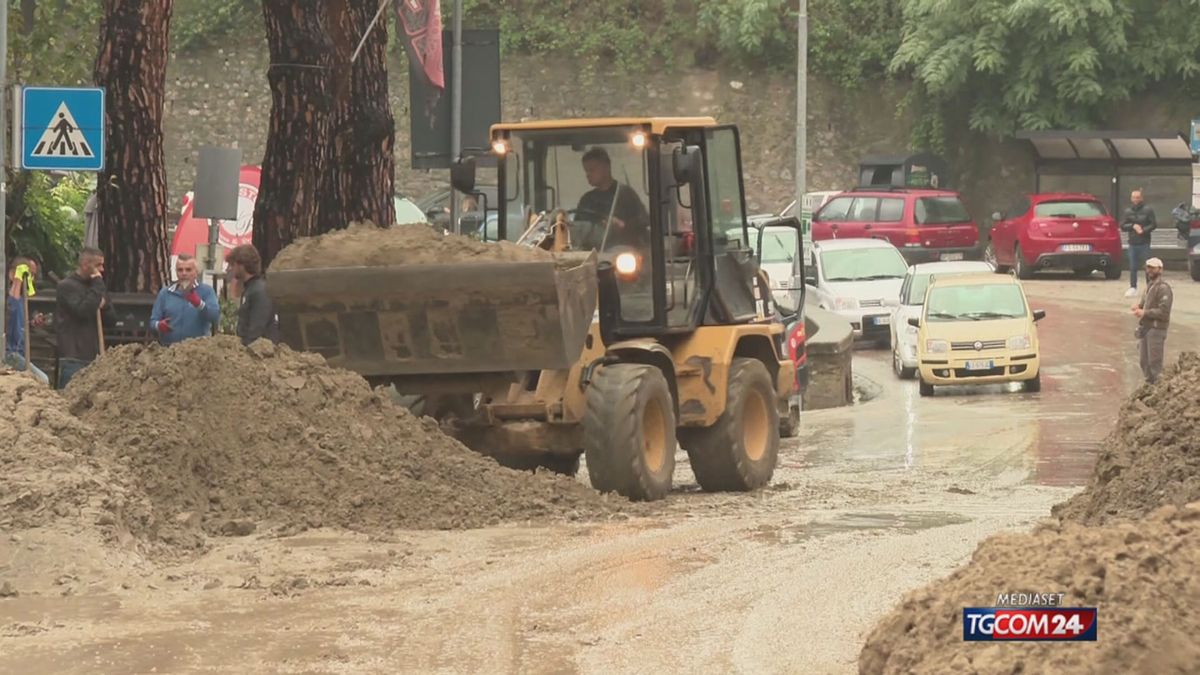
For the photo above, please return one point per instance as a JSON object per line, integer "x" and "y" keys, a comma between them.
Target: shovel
{"x": 25, "y": 316}
{"x": 100, "y": 329}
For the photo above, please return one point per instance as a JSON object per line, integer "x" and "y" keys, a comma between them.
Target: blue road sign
{"x": 62, "y": 128}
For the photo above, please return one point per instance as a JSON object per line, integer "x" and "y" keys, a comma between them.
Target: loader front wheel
{"x": 629, "y": 432}
{"x": 739, "y": 452}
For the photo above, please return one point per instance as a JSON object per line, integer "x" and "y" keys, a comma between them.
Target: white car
{"x": 860, "y": 280}
{"x": 912, "y": 297}
{"x": 778, "y": 259}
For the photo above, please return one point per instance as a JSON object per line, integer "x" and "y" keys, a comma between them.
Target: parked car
{"x": 977, "y": 329}
{"x": 1057, "y": 230}
{"x": 912, "y": 299}
{"x": 860, "y": 280}
{"x": 924, "y": 224}
{"x": 779, "y": 259}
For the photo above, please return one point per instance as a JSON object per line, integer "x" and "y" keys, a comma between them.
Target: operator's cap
{"x": 1154, "y": 262}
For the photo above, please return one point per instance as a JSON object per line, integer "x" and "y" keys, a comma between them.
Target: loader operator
{"x": 630, "y": 221}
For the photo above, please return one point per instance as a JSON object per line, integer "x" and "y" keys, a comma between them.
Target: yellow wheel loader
{"x": 655, "y": 331}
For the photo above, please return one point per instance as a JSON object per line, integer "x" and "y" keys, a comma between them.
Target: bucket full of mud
{"x": 406, "y": 301}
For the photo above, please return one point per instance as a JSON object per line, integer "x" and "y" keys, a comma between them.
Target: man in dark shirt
{"x": 256, "y": 315}
{"x": 81, "y": 298}
{"x": 630, "y": 221}
{"x": 1139, "y": 222}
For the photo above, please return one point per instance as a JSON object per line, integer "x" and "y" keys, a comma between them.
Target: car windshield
{"x": 940, "y": 211}
{"x": 1071, "y": 209}
{"x": 920, "y": 283}
{"x": 779, "y": 243}
{"x": 975, "y": 302}
{"x": 863, "y": 264}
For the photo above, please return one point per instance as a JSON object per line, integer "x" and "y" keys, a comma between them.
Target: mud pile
{"x": 364, "y": 244}
{"x": 52, "y": 472}
{"x": 1141, "y": 576}
{"x": 1152, "y": 458}
{"x": 225, "y": 440}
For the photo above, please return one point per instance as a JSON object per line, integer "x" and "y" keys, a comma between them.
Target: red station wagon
{"x": 926, "y": 225}
{"x": 1059, "y": 230}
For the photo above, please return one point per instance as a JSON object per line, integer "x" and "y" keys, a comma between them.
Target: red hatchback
{"x": 926, "y": 225}
{"x": 1056, "y": 230}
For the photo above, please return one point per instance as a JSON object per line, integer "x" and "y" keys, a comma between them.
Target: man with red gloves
{"x": 186, "y": 309}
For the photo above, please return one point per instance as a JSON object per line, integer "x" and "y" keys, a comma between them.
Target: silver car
{"x": 860, "y": 280}
{"x": 778, "y": 259}
{"x": 912, "y": 298}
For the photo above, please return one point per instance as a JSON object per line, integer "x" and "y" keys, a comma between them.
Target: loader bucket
{"x": 440, "y": 319}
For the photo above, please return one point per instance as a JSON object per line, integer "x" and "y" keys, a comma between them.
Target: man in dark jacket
{"x": 1139, "y": 222}
{"x": 256, "y": 316}
{"x": 80, "y": 299}
{"x": 1154, "y": 316}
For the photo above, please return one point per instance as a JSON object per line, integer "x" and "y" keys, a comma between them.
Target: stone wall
{"x": 221, "y": 97}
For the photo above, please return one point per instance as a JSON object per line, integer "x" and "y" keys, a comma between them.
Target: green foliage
{"x": 50, "y": 229}
{"x": 1004, "y": 65}
{"x": 59, "y": 47}
{"x": 207, "y": 23}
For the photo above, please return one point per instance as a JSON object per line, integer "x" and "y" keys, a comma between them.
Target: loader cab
{"x": 661, "y": 201}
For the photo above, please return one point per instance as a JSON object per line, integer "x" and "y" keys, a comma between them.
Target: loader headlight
{"x": 626, "y": 264}
{"x": 500, "y": 147}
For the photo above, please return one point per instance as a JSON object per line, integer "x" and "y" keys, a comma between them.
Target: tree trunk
{"x": 298, "y": 135}
{"x": 132, "y": 189}
{"x": 360, "y": 184}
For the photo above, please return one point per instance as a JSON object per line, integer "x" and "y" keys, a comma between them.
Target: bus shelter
{"x": 1112, "y": 164}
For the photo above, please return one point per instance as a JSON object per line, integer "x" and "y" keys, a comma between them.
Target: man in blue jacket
{"x": 187, "y": 309}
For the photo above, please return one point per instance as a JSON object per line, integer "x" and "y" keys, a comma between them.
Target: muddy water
{"x": 872, "y": 501}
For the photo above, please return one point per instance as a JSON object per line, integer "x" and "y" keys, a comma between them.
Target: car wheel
{"x": 925, "y": 388}
{"x": 898, "y": 366}
{"x": 1019, "y": 265}
{"x": 1194, "y": 269}
{"x": 1113, "y": 272}
{"x": 1035, "y": 385}
{"x": 1083, "y": 272}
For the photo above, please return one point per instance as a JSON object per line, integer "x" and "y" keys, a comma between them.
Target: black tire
{"x": 1194, "y": 269}
{"x": 739, "y": 452}
{"x": 989, "y": 256}
{"x": 1083, "y": 272}
{"x": 567, "y": 465}
{"x": 1020, "y": 266}
{"x": 1113, "y": 272}
{"x": 629, "y": 432}
{"x": 925, "y": 388}
{"x": 897, "y": 367}
{"x": 1033, "y": 386}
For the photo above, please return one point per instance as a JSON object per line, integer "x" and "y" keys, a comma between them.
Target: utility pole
{"x": 801, "y": 109}
{"x": 4, "y": 173}
{"x": 456, "y": 111}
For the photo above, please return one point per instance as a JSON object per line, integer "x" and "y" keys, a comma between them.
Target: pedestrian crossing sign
{"x": 62, "y": 128}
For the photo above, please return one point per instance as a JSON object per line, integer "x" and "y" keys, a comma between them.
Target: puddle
{"x": 907, "y": 523}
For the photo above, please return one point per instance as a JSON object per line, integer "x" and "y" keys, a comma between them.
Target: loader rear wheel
{"x": 629, "y": 432}
{"x": 739, "y": 452}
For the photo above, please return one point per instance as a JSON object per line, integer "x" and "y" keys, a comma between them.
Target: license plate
{"x": 883, "y": 320}
{"x": 952, "y": 256}
{"x": 1074, "y": 248}
{"x": 979, "y": 365}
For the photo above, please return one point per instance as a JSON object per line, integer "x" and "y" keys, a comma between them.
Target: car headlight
{"x": 1020, "y": 342}
{"x": 937, "y": 346}
{"x": 845, "y": 303}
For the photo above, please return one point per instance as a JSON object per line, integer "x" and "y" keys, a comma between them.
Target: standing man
{"x": 186, "y": 309}
{"x": 256, "y": 316}
{"x": 1154, "y": 315}
{"x": 80, "y": 297}
{"x": 1139, "y": 222}
{"x": 20, "y": 287}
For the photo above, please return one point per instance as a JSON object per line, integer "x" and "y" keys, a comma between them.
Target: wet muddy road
{"x": 872, "y": 501}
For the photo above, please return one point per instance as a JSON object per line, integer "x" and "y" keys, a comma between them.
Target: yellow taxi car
{"x": 977, "y": 329}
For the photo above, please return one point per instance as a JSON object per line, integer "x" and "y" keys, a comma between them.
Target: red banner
{"x": 420, "y": 24}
